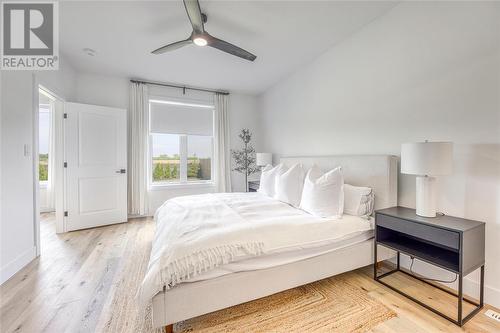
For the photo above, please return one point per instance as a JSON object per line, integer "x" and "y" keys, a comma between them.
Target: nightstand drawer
{"x": 253, "y": 185}
{"x": 439, "y": 236}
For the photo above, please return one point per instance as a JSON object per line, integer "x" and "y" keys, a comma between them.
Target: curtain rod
{"x": 184, "y": 88}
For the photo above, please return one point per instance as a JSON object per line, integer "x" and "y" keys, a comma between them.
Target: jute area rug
{"x": 331, "y": 305}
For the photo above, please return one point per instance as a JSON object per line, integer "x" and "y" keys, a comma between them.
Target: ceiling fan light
{"x": 200, "y": 41}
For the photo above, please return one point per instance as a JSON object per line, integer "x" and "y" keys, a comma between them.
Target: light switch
{"x": 27, "y": 150}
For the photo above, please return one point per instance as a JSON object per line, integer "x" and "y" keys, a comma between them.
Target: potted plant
{"x": 244, "y": 159}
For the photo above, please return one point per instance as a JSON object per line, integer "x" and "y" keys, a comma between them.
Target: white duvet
{"x": 196, "y": 234}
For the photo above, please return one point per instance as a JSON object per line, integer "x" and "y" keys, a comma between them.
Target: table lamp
{"x": 426, "y": 160}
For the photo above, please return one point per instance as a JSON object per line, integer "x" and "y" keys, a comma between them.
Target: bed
{"x": 250, "y": 272}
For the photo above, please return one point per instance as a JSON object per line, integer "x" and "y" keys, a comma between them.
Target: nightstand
{"x": 452, "y": 243}
{"x": 253, "y": 185}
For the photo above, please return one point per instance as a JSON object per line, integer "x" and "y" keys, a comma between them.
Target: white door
{"x": 96, "y": 157}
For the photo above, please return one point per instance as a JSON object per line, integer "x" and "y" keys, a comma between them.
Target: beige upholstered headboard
{"x": 379, "y": 172}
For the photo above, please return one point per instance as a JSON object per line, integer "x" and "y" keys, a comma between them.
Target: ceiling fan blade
{"x": 194, "y": 13}
{"x": 173, "y": 46}
{"x": 230, "y": 48}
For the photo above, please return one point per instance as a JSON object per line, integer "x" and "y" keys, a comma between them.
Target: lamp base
{"x": 426, "y": 196}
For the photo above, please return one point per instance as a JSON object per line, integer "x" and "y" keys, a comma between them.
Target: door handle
{"x": 121, "y": 171}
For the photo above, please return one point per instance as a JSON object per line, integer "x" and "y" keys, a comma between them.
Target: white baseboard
{"x": 46, "y": 210}
{"x": 471, "y": 287}
{"x": 491, "y": 294}
{"x": 133, "y": 216}
{"x": 11, "y": 268}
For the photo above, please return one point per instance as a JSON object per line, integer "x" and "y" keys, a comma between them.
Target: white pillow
{"x": 268, "y": 179}
{"x": 358, "y": 200}
{"x": 289, "y": 185}
{"x": 323, "y": 194}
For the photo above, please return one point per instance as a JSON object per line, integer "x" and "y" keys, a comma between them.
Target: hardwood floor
{"x": 86, "y": 281}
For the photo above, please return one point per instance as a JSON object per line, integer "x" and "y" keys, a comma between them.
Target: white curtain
{"x": 51, "y": 175}
{"x": 138, "y": 149}
{"x": 222, "y": 155}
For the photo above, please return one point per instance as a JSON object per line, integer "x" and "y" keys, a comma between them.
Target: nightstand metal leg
{"x": 479, "y": 305}
{"x": 461, "y": 320}
{"x": 460, "y": 299}
{"x": 402, "y": 231}
{"x": 481, "y": 288}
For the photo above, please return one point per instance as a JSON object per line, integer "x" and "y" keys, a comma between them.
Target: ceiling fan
{"x": 201, "y": 37}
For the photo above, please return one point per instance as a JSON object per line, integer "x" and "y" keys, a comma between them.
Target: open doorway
{"x": 48, "y": 166}
{"x": 46, "y": 151}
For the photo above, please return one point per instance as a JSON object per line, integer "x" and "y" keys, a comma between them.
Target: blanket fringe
{"x": 202, "y": 261}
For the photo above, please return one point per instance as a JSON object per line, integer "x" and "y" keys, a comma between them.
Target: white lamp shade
{"x": 427, "y": 158}
{"x": 263, "y": 159}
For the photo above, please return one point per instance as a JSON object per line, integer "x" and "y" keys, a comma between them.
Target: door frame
{"x": 59, "y": 169}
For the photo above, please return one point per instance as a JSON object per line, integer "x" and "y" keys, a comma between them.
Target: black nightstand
{"x": 253, "y": 185}
{"x": 452, "y": 243}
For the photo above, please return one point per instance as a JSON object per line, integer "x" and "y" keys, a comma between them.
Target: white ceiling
{"x": 283, "y": 35}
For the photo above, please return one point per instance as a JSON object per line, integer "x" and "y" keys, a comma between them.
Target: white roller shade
{"x": 181, "y": 119}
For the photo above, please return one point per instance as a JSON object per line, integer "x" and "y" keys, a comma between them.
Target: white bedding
{"x": 287, "y": 257}
{"x": 197, "y": 235}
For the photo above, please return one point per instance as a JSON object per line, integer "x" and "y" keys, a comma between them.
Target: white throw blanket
{"x": 198, "y": 233}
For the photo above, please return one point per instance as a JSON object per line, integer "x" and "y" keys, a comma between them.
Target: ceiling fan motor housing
{"x": 201, "y": 37}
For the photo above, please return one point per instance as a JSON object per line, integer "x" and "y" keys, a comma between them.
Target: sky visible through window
{"x": 169, "y": 145}
{"x": 43, "y": 131}
{"x": 199, "y": 146}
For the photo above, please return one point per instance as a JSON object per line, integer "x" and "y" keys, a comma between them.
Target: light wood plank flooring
{"x": 86, "y": 281}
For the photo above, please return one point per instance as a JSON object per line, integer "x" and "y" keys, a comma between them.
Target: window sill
{"x": 43, "y": 184}
{"x": 165, "y": 186}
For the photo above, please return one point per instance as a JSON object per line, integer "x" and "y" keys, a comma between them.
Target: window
{"x": 166, "y": 157}
{"x": 43, "y": 142}
{"x": 181, "y": 142}
{"x": 199, "y": 155}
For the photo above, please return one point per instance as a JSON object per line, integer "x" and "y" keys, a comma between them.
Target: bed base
{"x": 190, "y": 300}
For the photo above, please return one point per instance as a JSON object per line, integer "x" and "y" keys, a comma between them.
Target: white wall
{"x": 17, "y": 246}
{"x": 102, "y": 90}
{"x": 19, "y": 101}
{"x": 61, "y": 82}
{"x": 114, "y": 92}
{"x": 427, "y": 70}
{"x": 43, "y": 199}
